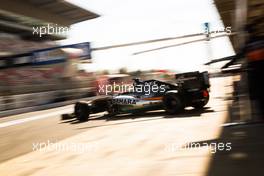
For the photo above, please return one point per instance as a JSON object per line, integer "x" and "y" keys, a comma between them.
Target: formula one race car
{"x": 189, "y": 89}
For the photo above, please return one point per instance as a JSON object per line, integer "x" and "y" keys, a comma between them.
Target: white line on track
{"x": 35, "y": 117}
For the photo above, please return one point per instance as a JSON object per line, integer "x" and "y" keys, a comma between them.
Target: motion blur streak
{"x": 37, "y": 117}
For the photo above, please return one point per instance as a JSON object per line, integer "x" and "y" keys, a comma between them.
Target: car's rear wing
{"x": 193, "y": 80}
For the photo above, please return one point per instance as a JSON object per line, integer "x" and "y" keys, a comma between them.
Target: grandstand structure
{"x": 22, "y": 53}
{"x": 17, "y": 19}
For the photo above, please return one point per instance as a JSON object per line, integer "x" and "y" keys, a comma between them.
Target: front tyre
{"x": 173, "y": 103}
{"x": 82, "y": 111}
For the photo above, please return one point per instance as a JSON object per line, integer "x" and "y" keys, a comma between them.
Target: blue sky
{"x": 124, "y": 21}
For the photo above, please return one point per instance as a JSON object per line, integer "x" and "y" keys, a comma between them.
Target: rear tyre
{"x": 173, "y": 103}
{"x": 82, "y": 111}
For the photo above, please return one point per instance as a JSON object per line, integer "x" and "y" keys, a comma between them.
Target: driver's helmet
{"x": 137, "y": 81}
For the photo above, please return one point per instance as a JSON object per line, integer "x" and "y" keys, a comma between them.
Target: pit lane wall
{"x": 22, "y": 94}
{"x": 44, "y": 77}
{"x": 21, "y": 103}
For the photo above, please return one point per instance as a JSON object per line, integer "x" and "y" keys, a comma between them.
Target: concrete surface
{"x": 150, "y": 144}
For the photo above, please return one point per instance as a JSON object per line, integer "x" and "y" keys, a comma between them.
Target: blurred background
{"x": 114, "y": 41}
{"x": 121, "y": 38}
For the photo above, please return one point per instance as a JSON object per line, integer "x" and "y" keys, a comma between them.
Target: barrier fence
{"x": 20, "y": 101}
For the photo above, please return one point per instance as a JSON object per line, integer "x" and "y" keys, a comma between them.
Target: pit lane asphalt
{"x": 17, "y": 135}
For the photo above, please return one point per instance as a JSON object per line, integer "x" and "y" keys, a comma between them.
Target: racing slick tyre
{"x": 82, "y": 111}
{"x": 172, "y": 103}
